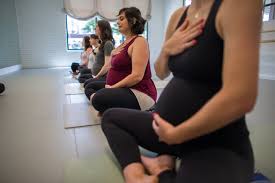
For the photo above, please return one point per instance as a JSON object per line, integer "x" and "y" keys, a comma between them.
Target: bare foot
{"x": 158, "y": 164}
{"x": 150, "y": 179}
{"x": 144, "y": 179}
{"x": 134, "y": 173}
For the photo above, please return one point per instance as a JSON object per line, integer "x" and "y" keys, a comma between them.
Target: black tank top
{"x": 202, "y": 62}
{"x": 197, "y": 78}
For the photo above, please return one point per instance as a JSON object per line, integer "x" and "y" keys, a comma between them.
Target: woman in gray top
{"x": 103, "y": 56}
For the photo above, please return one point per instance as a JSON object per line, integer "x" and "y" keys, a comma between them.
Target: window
{"x": 187, "y": 2}
{"x": 77, "y": 29}
{"x": 268, "y": 10}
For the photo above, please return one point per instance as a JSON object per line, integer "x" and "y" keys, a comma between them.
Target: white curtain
{"x": 85, "y": 9}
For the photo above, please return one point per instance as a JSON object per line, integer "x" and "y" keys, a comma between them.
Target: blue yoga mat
{"x": 260, "y": 178}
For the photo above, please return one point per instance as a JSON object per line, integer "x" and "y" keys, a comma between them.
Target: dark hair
{"x": 94, "y": 36}
{"x": 86, "y": 42}
{"x": 134, "y": 18}
{"x": 106, "y": 33}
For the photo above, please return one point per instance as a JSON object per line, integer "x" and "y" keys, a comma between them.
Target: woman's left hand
{"x": 167, "y": 133}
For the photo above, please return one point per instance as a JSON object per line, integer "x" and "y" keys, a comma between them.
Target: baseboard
{"x": 10, "y": 69}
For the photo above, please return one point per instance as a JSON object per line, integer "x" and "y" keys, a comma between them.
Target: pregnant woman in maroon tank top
{"x": 128, "y": 83}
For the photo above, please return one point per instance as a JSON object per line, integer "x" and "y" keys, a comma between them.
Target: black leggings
{"x": 93, "y": 86}
{"x": 126, "y": 129}
{"x": 84, "y": 77}
{"x": 106, "y": 98}
{"x": 103, "y": 78}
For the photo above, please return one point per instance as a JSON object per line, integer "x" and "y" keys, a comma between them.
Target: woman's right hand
{"x": 183, "y": 37}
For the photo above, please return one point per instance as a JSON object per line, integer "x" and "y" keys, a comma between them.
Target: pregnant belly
{"x": 181, "y": 99}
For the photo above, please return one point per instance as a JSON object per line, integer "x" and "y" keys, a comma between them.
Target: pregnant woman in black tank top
{"x": 212, "y": 49}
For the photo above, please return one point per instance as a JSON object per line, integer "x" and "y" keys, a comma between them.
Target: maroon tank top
{"x": 121, "y": 67}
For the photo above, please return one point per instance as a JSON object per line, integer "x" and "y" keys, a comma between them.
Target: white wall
{"x": 170, "y": 7}
{"x": 156, "y": 31}
{"x": 9, "y": 48}
{"x": 267, "y": 64}
{"x": 42, "y": 33}
{"x": 261, "y": 124}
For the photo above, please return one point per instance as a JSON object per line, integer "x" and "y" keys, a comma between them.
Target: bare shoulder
{"x": 140, "y": 40}
{"x": 239, "y": 7}
{"x": 226, "y": 20}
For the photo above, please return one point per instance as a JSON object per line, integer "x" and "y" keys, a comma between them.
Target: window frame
{"x": 96, "y": 19}
{"x": 271, "y": 6}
